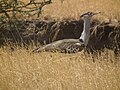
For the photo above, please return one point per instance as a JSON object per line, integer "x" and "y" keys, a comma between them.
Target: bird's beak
{"x": 96, "y": 13}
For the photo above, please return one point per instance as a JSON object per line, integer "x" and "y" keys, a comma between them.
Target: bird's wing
{"x": 72, "y": 47}
{"x": 65, "y": 45}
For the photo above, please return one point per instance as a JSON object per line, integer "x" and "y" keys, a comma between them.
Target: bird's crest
{"x": 89, "y": 14}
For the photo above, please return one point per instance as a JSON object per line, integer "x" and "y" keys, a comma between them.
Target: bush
{"x": 10, "y": 9}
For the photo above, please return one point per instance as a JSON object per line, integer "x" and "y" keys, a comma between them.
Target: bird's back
{"x": 65, "y": 45}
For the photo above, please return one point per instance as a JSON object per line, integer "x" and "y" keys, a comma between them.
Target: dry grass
{"x": 20, "y": 70}
{"x": 73, "y": 8}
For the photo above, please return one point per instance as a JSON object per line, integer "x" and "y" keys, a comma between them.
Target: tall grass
{"x": 20, "y": 70}
{"x": 73, "y": 8}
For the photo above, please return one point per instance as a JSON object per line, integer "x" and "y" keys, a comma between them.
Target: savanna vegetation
{"x": 22, "y": 70}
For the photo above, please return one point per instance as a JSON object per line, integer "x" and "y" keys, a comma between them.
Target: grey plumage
{"x": 71, "y": 45}
{"x": 65, "y": 45}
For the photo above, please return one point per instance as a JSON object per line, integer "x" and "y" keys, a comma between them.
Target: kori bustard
{"x": 71, "y": 45}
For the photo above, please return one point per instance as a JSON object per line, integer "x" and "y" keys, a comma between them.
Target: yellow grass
{"x": 20, "y": 70}
{"x": 74, "y": 8}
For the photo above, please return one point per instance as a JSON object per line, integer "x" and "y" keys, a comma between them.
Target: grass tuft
{"x": 58, "y": 71}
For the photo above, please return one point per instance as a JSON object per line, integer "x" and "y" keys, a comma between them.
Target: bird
{"x": 71, "y": 45}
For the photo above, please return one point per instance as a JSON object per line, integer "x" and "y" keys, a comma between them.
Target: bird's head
{"x": 88, "y": 15}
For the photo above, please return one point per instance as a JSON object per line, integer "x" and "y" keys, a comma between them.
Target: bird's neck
{"x": 86, "y": 28}
{"x": 86, "y": 32}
